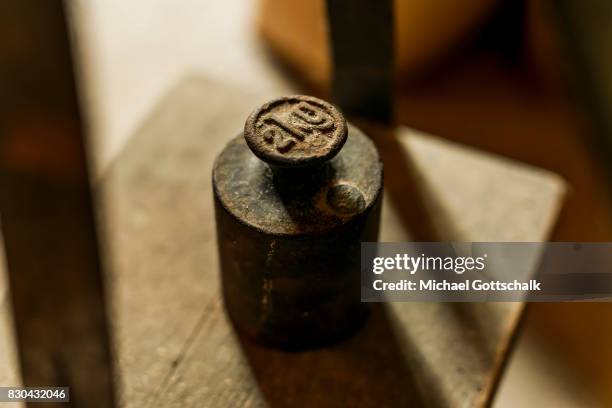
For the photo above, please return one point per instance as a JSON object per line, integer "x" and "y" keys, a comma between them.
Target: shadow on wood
{"x": 403, "y": 185}
{"x": 369, "y": 369}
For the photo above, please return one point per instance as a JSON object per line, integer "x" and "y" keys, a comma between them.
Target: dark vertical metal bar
{"x": 362, "y": 37}
{"x": 46, "y": 208}
{"x": 584, "y": 27}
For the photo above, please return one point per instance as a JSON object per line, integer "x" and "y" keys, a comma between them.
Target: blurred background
{"x": 496, "y": 75}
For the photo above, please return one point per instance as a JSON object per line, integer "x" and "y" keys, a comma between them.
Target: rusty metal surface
{"x": 298, "y": 200}
{"x": 47, "y": 212}
{"x": 289, "y": 238}
{"x": 362, "y": 44}
{"x": 295, "y": 131}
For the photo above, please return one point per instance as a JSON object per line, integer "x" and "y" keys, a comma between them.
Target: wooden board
{"x": 174, "y": 343}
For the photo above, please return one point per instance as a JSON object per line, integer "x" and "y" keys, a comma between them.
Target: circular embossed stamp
{"x": 295, "y": 131}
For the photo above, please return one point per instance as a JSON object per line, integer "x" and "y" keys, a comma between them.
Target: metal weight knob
{"x": 295, "y": 195}
{"x": 295, "y": 132}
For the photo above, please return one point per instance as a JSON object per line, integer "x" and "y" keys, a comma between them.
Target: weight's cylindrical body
{"x": 289, "y": 234}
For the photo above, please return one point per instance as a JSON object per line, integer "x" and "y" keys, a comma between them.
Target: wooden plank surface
{"x": 174, "y": 343}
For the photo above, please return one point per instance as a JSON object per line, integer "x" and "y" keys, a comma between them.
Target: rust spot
{"x": 295, "y": 131}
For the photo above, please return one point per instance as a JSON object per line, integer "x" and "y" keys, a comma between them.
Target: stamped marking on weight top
{"x": 295, "y": 131}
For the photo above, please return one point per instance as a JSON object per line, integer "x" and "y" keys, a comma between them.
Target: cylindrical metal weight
{"x": 295, "y": 195}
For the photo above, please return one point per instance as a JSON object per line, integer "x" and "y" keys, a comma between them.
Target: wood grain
{"x": 175, "y": 345}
